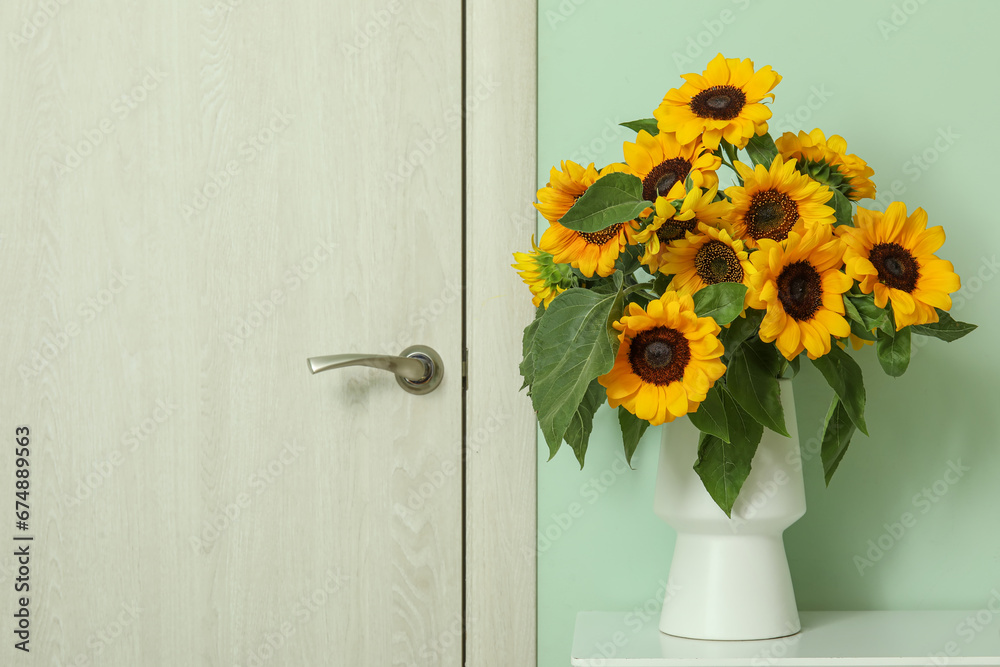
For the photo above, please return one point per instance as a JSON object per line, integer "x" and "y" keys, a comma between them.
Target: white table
{"x": 828, "y": 639}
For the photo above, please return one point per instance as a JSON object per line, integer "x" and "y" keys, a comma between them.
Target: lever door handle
{"x": 418, "y": 369}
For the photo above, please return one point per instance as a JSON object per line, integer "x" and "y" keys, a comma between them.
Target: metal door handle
{"x": 418, "y": 369}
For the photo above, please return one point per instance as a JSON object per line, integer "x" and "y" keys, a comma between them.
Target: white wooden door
{"x": 197, "y": 196}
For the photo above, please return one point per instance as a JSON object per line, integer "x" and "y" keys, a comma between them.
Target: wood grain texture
{"x": 199, "y": 195}
{"x": 500, "y": 426}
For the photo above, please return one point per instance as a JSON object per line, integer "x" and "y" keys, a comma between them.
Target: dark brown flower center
{"x": 663, "y": 176}
{"x": 771, "y": 215}
{"x": 671, "y": 230}
{"x": 716, "y": 262}
{"x": 603, "y": 236}
{"x": 895, "y": 265}
{"x": 659, "y": 356}
{"x": 800, "y": 290}
{"x": 719, "y": 103}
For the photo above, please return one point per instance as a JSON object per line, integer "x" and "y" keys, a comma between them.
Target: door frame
{"x": 500, "y": 460}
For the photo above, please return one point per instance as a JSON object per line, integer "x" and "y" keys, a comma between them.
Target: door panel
{"x": 201, "y": 195}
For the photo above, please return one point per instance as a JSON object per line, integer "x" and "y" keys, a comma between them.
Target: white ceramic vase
{"x": 729, "y": 578}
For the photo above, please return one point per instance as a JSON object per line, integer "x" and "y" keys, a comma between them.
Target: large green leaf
{"x": 741, "y": 329}
{"x": 710, "y": 417}
{"x": 837, "y": 433}
{"x": 893, "y": 351}
{"x": 843, "y": 374}
{"x": 582, "y": 422}
{"x": 722, "y": 301}
{"x": 841, "y": 206}
{"x": 946, "y": 328}
{"x": 574, "y": 344}
{"x": 752, "y": 379}
{"x": 632, "y": 430}
{"x": 527, "y": 366}
{"x": 762, "y": 149}
{"x": 648, "y": 124}
{"x": 724, "y": 467}
{"x": 611, "y": 200}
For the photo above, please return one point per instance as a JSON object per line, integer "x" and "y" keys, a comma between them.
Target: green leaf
{"x": 710, "y": 417}
{"x": 527, "y": 365}
{"x": 722, "y": 301}
{"x": 837, "y": 433}
{"x": 612, "y": 199}
{"x": 582, "y": 422}
{"x": 628, "y": 260}
{"x": 762, "y": 150}
{"x": 856, "y": 321}
{"x": 843, "y": 374}
{"x": 872, "y": 317}
{"x": 661, "y": 282}
{"x": 632, "y": 430}
{"x": 648, "y": 124}
{"x": 946, "y": 328}
{"x": 752, "y": 379}
{"x": 724, "y": 467}
{"x": 740, "y": 329}
{"x": 893, "y": 351}
{"x": 574, "y": 344}
{"x": 795, "y": 363}
{"x": 841, "y": 206}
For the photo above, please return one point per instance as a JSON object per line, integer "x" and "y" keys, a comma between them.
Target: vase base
{"x": 729, "y": 587}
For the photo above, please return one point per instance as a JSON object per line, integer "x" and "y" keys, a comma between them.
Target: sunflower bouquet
{"x": 664, "y": 296}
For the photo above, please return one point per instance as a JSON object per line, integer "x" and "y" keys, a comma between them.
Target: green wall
{"x": 894, "y": 94}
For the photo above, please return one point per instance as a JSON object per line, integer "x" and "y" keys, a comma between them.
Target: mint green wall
{"x": 891, "y": 94}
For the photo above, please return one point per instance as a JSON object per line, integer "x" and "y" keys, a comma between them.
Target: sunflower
{"x": 800, "y": 285}
{"x": 670, "y": 224}
{"x": 827, "y": 160}
{"x": 893, "y": 255}
{"x": 664, "y": 165}
{"x": 545, "y": 278}
{"x": 706, "y": 257}
{"x": 774, "y": 202}
{"x": 588, "y": 251}
{"x": 667, "y": 361}
{"x": 721, "y": 103}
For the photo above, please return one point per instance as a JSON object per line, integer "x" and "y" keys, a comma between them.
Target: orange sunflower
{"x": 815, "y": 152}
{"x": 664, "y": 165}
{"x": 591, "y": 252}
{"x": 669, "y": 224}
{"x": 721, "y": 103}
{"x": 800, "y": 284}
{"x": 774, "y": 202}
{"x": 667, "y": 361}
{"x": 893, "y": 255}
